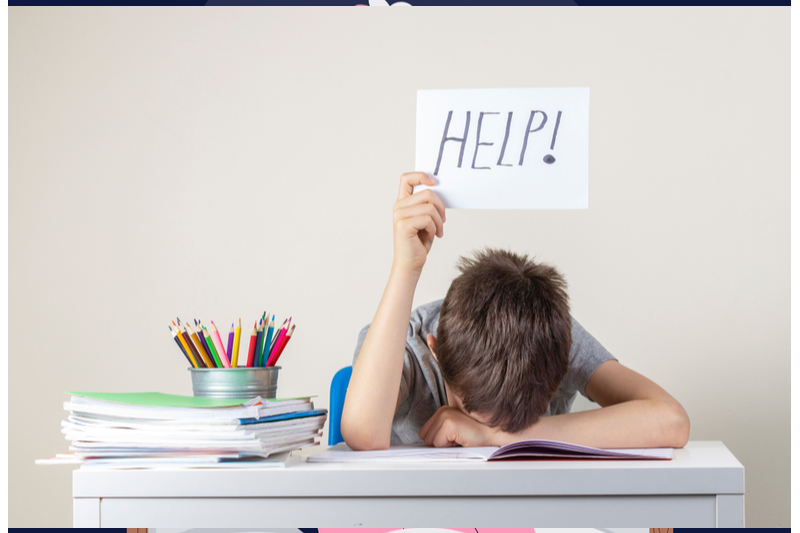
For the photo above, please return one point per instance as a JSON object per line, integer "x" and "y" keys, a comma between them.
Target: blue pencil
{"x": 268, "y": 340}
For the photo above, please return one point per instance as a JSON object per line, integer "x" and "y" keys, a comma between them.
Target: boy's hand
{"x": 417, "y": 219}
{"x": 449, "y": 426}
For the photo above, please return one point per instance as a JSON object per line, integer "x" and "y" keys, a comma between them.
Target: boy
{"x": 497, "y": 361}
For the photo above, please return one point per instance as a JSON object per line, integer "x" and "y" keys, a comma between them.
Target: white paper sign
{"x": 506, "y": 148}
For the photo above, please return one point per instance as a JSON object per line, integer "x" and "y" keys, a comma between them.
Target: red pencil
{"x": 251, "y": 350}
{"x": 284, "y": 342}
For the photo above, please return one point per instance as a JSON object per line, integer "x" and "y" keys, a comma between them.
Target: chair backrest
{"x": 338, "y": 391}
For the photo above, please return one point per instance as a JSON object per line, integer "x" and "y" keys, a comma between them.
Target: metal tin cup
{"x": 243, "y": 382}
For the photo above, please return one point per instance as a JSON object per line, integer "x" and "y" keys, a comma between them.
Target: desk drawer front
{"x": 548, "y": 511}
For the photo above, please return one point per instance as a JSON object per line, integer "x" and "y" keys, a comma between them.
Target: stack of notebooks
{"x": 154, "y": 430}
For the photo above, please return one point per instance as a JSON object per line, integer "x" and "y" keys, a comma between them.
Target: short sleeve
{"x": 586, "y": 355}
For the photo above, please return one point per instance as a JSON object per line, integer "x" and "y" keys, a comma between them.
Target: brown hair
{"x": 504, "y": 337}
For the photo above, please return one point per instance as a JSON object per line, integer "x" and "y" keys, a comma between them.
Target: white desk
{"x": 702, "y": 487}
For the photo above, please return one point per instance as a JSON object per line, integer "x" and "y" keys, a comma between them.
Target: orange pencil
{"x": 282, "y": 346}
{"x": 200, "y": 348}
{"x": 251, "y": 350}
{"x": 175, "y": 337}
{"x": 188, "y": 339}
{"x": 185, "y": 347}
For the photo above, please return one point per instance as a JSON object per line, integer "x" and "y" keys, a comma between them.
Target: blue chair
{"x": 338, "y": 391}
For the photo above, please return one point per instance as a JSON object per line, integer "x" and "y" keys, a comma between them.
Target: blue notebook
{"x": 285, "y": 416}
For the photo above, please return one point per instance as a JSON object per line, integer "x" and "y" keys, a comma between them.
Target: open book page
{"x": 402, "y": 453}
{"x": 532, "y": 449}
{"x": 518, "y": 450}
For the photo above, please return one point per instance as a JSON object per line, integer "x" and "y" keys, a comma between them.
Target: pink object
{"x": 412, "y": 530}
{"x": 276, "y": 348}
{"x": 220, "y": 348}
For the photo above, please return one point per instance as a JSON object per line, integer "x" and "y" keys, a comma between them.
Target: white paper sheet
{"x": 403, "y": 453}
{"x": 506, "y": 148}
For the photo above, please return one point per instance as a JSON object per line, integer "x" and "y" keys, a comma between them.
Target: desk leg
{"x": 85, "y": 512}
{"x": 730, "y": 510}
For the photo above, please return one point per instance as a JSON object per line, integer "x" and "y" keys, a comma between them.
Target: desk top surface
{"x": 702, "y": 467}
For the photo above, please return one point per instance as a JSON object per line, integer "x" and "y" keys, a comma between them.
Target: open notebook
{"x": 529, "y": 449}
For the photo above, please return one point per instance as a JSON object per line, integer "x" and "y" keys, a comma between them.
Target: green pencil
{"x": 211, "y": 347}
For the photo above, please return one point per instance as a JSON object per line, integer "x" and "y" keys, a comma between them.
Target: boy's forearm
{"x": 632, "y": 424}
{"x": 372, "y": 394}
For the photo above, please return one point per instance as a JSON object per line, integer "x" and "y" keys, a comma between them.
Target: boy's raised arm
{"x": 373, "y": 394}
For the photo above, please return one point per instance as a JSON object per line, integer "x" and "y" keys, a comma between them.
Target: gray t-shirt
{"x": 422, "y": 390}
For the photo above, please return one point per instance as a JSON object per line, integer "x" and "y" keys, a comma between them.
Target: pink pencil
{"x": 278, "y": 339}
{"x": 218, "y": 345}
{"x": 286, "y": 340}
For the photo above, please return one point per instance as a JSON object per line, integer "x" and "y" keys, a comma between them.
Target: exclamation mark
{"x": 549, "y": 159}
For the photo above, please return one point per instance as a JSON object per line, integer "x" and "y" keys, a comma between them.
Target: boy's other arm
{"x": 636, "y": 413}
{"x": 373, "y": 394}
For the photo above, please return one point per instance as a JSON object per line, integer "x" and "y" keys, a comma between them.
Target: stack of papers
{"x": 154, "y": 430}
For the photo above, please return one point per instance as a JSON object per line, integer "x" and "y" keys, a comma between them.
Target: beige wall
{"x": 216, "y": 163}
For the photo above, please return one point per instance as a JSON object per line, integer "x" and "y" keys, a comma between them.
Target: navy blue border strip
{"x": 416, "y": 3}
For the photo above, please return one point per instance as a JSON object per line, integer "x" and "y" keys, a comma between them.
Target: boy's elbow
{"x": 361, "y": 438}
{"x": 365, "y": 443}
{"x": 679, "y": 426}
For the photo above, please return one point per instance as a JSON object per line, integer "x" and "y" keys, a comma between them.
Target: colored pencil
{"x": 251, "y": 350}
{"x": 186, "y": 348}
{"x": 268, "y": 338}
{"x": 262, "y": 330}
{"x": 190, "y": 344}
{"x": 259, "y": 337}
{"x": 200, "y": 332}
{"x": 236, "y": 339}
{"x": 277, "y": 341}
{"x": 210, "y": 344}
{"x": 230, "y": 347}
{"x": 175, "y": 338}
{"x": 188, "y": 340}
{"x": 275, "y": 338}
{"x": 200, "y": 348}
{"x": 217, "y": 340}
{"x": 280, "y": 349}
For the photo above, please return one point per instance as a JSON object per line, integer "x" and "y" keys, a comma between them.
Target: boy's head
{"x": 504, "y": 337}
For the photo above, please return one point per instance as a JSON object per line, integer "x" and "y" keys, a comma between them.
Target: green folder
{"x": 158, "y": 399}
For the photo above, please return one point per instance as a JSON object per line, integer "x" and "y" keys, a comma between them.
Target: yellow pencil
{"x": 235, "y": 360}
